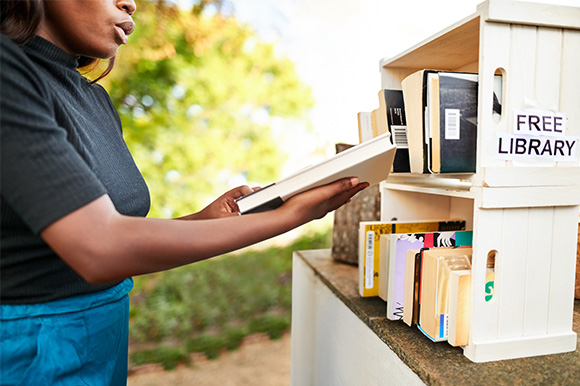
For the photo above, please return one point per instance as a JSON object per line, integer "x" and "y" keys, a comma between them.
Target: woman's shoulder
{"x": 18, "y": 72}
{"x": 9, "y": 49}
{"x": 14, "y": 61}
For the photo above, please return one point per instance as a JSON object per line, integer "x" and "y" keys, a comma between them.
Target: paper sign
{"x": 520, "y": 147}
{"x": 539, "y": 122}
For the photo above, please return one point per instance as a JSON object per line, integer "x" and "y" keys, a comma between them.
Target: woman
{"x": 73, "y": 203}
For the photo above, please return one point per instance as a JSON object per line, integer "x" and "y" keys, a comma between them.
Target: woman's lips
{"x": 124, "y": 30}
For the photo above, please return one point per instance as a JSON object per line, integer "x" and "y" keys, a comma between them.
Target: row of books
{"x": 432, "y": 121}
{"x": 422, "y": 270}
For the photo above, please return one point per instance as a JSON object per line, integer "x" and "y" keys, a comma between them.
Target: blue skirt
{"x": 82, "y": 340}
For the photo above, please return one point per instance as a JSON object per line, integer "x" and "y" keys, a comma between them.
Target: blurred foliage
{"x": 167, "y": 356}
{"x": 211, "y": 306}
{"x": 218, "y": 294}
{"x": 197, "y": 93}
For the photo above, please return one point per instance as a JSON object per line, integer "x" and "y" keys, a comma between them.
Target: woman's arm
{"x": 102, "y": 245}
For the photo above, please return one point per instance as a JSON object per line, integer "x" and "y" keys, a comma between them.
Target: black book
{"x": 392, "y": 106}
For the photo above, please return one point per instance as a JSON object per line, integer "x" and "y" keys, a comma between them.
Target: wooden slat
{"x": 562, "y": 269}
{"x": 511, "y": 265}
{"x": 531, "y": 176}
{"x": 487, "y": 236}
{"x": 570, "y": 83}
{"x": 528, "y": 196}
{"x": 495, "y": 54}
{"x": 519, "y": 12}
{"x": 451, "y": 48}
{"x": 538, "y": 265}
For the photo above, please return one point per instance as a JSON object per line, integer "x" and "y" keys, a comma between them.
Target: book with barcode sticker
{"x": 392, "y": 109}
{"x": 452, "y": 109}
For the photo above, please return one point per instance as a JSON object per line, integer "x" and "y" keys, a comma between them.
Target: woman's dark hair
{"x": 20, "y": 21}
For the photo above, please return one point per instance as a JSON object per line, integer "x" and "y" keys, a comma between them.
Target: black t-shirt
{"x": 61, "y": 148}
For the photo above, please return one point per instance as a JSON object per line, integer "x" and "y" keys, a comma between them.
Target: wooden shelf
{"x": 526, "y": 213}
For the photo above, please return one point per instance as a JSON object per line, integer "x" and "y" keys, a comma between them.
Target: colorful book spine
{"x": 369, "y": 246}
{"x": 399, "y": 245}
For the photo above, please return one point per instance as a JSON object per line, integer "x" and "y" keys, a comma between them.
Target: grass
{"x": 213, "y": 305}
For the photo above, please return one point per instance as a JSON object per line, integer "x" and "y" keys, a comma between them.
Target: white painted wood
{"x": 520, "y": 78}
{"x": 521, "y": 347}
{"x": 332, "y": 346}
{"x": 487, "y": 237}
{"x": 547, "y": 70}
{"x": 570, "y": 84}
{"x": 530, "y": 176}
{"x": 453, "y": 47}
{"x": 519, "y": 12}
{"x": 495, "y": 46}
{"x": 303, "y": 331}
{"x": 562, "y": 272}
{"x": 529, "y": 196}
{"x": 539, "y": 255}
{"x": 527, "y": 213}
{"x": 403, "y": 205}
{"x": 511, "y": 263}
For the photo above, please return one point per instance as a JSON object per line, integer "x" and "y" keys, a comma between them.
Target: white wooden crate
{"x": 527, "y": 215}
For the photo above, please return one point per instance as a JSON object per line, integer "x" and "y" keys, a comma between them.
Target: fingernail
{"x": 354, "y": 181}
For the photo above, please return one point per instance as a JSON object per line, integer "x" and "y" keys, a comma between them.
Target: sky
{"x": 336, "y": 46}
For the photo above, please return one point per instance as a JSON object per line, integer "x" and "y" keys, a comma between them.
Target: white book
{"x": 370, "y": 161}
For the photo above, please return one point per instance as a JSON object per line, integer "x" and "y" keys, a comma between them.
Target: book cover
{"x": 370, "y": 161}
{"x": 460, "y": 305}
{"x": 392, "y": 107}
{"x": 451, "y": 120}
{"x": 384, "y": 251}
{"x": 399, "y": 244}
{"x": 437, "y": 262}
{"x": 432, "y": 124}
{"x": 409, "y": 292}
{"x": 417, "y": 273}
{"x": 457, "y": 123}
{"x": 365, "y": 126}
{"x": 369, "y": 246}
{"x": 415, "y": 99}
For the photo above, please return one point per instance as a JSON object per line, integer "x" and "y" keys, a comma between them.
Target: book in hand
{"x": 370, "y": 161}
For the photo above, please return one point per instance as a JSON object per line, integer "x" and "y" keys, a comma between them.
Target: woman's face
{"x": 92, "y": 28}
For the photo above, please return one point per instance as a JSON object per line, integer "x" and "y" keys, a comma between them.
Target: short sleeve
{"x": 42, "y": 176}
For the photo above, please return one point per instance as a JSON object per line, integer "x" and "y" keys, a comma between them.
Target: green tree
{"x": 197, "y": 92}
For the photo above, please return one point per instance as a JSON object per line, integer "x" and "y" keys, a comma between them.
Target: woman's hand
{"x": 223, "y": 206}
{"x": 316, "y": 203}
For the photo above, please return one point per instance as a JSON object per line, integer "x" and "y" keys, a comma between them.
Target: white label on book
{"x": 529, "y": 147}
{"x": 369, "y": 259}
{"x": 400, "y": 136}
{"x": 452, "y": 123}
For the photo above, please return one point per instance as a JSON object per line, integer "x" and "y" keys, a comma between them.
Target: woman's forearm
{"x": 102, "y": 245}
